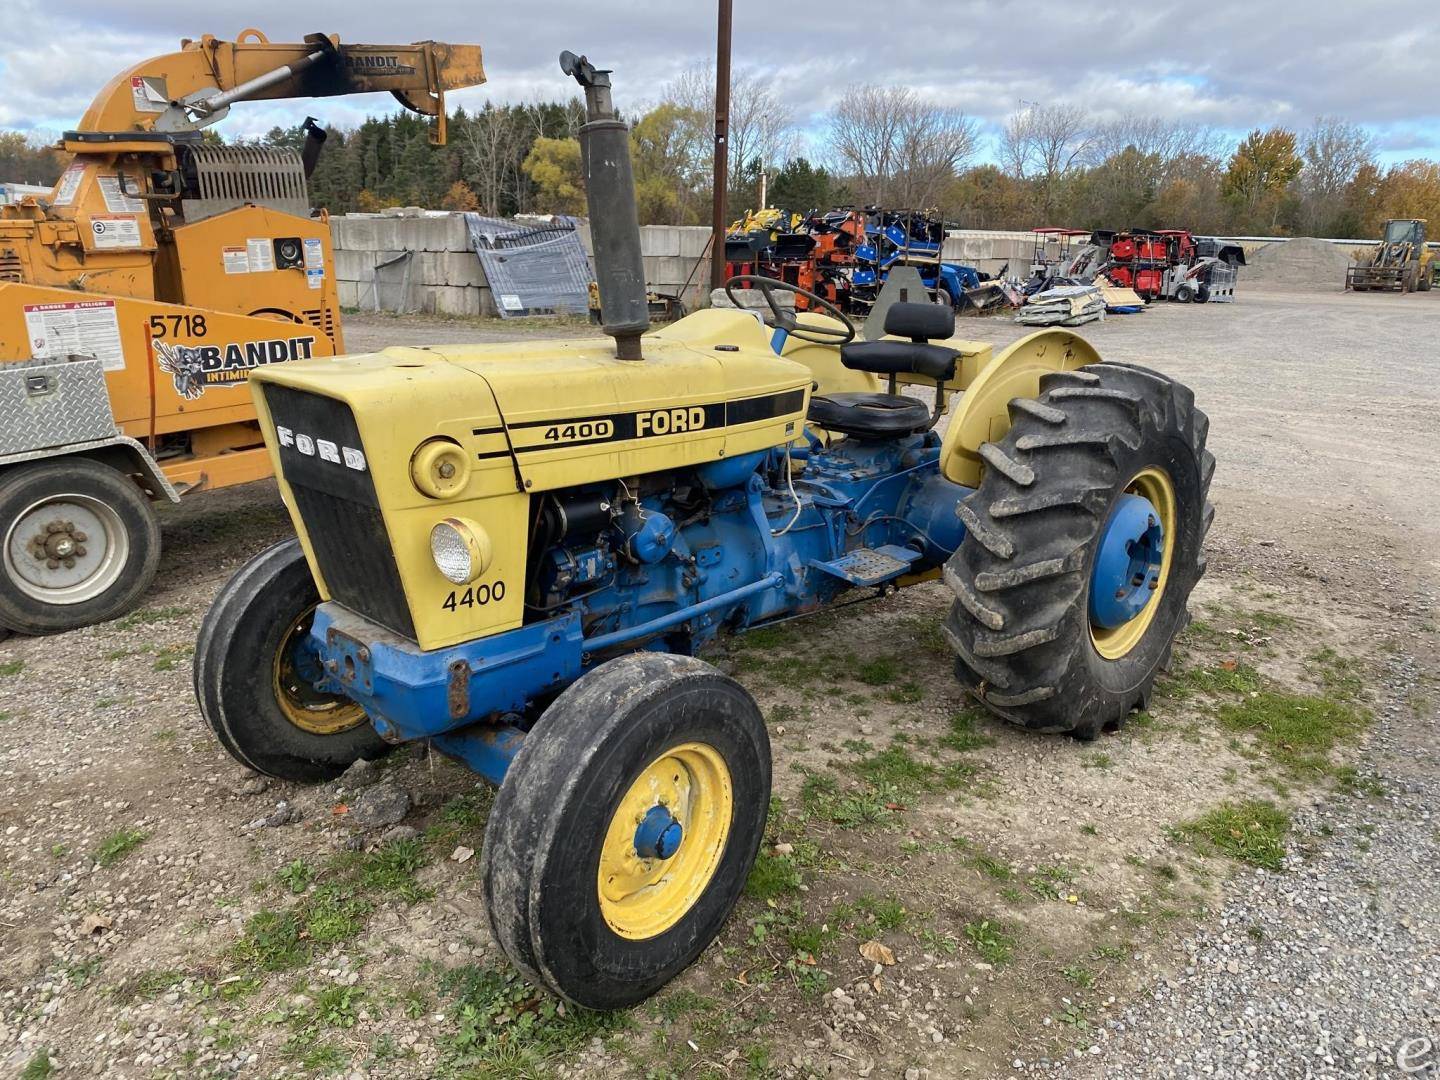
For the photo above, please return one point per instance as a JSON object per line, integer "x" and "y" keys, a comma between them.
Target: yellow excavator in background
{"x": 138, "y": 297}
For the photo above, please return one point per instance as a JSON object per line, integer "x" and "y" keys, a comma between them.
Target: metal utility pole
{"x": 722, "y": 143}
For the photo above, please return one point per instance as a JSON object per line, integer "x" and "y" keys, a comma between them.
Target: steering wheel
{"x": 785, "y": 319}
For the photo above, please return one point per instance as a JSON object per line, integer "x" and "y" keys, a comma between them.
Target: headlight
{"x": 461, "y": 549}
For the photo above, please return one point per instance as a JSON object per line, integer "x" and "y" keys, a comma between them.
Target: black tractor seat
{"x": 884, "y": 416}
{"x": 869, "y": 416}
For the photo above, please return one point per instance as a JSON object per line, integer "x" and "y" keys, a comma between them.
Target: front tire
{"x": 252, "y": 680}
{"x": 80, "y": 545}
{"x": 579, "y": 899}
{"x": 1034, "y": 646}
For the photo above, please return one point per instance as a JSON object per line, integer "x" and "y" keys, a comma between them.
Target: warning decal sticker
{"x": 148, "y": 94}
{"x": 80, "y": 328}
{"x": 260, "y": 253}
{"x": 236, "y": 260}
{"x": 115, "y": 231}
{"x": 69, "y": 184}
{"x": 115, "y": 200}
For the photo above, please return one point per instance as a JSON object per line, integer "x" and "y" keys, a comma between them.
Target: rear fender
{"x": 983, "y": 413}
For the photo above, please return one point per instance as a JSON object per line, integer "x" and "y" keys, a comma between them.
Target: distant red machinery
{"x": 813, "y": 256}
{"x": 1169, "y": 263}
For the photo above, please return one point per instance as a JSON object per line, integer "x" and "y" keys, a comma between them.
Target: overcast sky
{"x": 1236, "y": 65}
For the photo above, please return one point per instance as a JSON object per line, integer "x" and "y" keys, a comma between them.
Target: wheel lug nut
{"x": 80, "y": 538}
{"x": 80, "y": 550}
{"x": 52, "y": 564}
{"x": 69, "y": 564}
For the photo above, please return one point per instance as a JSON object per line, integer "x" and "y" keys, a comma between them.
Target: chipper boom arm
{"x": 195, "y": 86}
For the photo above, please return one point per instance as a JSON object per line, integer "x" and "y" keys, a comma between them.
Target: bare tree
{"x": 1168, "y": 141}
{"x": 1334, "y": 153}
{"x": 490, "y": 149}
{"x": 1046, "y": 144}
{"x": 762, "y": 128}
{"x": 898, "y": 149}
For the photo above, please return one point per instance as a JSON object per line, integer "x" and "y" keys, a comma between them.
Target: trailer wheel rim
{"x": 80, "y": 535}
{"x": 295, "y": 670}
{"x": 665, "y": 841}
{"x": 1116, "y": 642}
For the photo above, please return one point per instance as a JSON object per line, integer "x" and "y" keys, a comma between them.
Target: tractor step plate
{"x": 868, "y": 566}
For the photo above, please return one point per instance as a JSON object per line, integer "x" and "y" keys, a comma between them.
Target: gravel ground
{"x": 1323, "y": 417}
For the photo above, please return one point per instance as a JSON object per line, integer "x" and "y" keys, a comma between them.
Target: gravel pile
{"x": 1303, "y": 261}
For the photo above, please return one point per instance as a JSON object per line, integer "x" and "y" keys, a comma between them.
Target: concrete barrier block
{"x": 659, "y": 240}
{"x": 348, "y": 293}
{"x": 694, "y": 239}
{"x": 447, "y": 233}
{"x": 455, "y": 300}
{"x": 669, "y": 272}
{"x": 462, "y": 268}
{"x": 354, "y": 233}
{"x": 351, "y": 265}
{"x": 582, "y": 230}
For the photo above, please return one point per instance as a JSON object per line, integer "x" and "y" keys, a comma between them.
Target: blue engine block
{"x": 735, "y": 545}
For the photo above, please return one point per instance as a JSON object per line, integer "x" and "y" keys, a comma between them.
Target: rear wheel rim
{"x": 307, "y": 708}
{"x": 642, "y": 897}
{"x": 1158, "y": 489}
{"x": 66, "y": 549}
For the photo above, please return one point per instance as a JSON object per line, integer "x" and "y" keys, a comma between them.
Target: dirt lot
{"x": 1022, "y": 902}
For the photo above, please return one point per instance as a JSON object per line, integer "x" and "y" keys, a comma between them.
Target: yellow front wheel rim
{"x": 642, "y": 897}
{"x": 303, "y": 705}
{"x": 1155, "y": 485}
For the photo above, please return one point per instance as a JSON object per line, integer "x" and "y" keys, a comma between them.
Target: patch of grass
{"x": 772, "y": 876}
{"x": 296, "y": 876}
{"x": 886, "y": 912}
{"x": 991, "y": 940}
{"x": 1339, "y": 675}
{"x": 1079, "y": 975}
{"x": 1227, "y": 677}
{"x": 390, "y": 870}
{"x": 1051, "y": 882}
{"x": 1297, "y": 731}
{"x": 879, "y": 671}
{"x": 171, "y": 656}
{"x": 149, "y": 616}
{"x": 38, "y": 1067}
{"x": 1253, "y": 832}
{"x": 964, "y": 734}
{"x": 8, "y": 668}
{"x": 272, "y": 941}
{"x": 810, "y": 938}
{"x": 821, "y": 797}
{"x": 991, "y": 867}
{"x": 119, "y": 844}
{"x": 506, "y": 1028}
{"x": 1097, "y": 761}
{"x": 908, "y": 693}
{"x": 896, "y": 768}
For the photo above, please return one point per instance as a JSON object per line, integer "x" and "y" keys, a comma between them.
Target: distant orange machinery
{"x": 813, "y": 255}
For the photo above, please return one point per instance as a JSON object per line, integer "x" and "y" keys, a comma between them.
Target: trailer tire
{"x": 247, "y": 656}
{"x": 83, "y": 511}
{"x": 1032, "y": 647}
{"x": 573, "y": 900}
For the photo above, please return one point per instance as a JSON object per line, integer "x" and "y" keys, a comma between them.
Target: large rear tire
{"x": 251, "y": 678}
{"x": 79, "y": 544}
{"x": 1031, "y": 645}
{"x": 626, "y": 827}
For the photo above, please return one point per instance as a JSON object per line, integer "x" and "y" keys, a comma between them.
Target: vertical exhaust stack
{"x": 614, "y": 222}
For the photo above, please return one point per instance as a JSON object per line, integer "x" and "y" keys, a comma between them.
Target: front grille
{"x": 11, "y": 268}
{"x": 338, "y": 505}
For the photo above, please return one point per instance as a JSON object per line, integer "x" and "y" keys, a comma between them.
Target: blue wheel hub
{"x": 1127, "y": 564}
{"x": 658, "y": 835}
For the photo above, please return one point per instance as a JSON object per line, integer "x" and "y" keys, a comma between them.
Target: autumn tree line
{"x": 877, "y": 145}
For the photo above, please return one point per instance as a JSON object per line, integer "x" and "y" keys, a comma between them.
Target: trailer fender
{"x": 120, "y": 452}
{"x": 983, "y": 413}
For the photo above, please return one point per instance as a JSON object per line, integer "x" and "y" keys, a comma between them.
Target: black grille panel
{"x": 338, "y": 504}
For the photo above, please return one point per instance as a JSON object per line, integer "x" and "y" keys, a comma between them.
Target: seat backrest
{"x": 920, "y": 322}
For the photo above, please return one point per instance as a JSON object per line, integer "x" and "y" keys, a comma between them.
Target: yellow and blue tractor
{"x": 513, "y": 553}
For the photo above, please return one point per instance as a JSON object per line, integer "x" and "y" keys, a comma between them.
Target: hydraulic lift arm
{"x": 195, "y": 86}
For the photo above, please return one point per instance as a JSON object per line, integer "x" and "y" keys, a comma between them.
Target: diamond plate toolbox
{"x": 52, "y": 403}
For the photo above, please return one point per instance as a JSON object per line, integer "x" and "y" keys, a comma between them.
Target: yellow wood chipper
{"x": 139, "y": 295}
